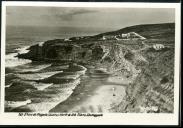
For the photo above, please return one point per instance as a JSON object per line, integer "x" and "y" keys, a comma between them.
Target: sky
{"x": 112, "y": 18}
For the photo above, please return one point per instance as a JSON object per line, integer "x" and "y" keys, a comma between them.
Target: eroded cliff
{"x": 149, "y": 70}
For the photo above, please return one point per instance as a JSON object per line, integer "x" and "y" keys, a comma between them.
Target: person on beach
{"x": 113, "y": 89}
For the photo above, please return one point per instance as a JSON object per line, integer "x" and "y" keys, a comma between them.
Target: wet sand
{"x": 97, "y": 92}
{"x": 103, "y": 99}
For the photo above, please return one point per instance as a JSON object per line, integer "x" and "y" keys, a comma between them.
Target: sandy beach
{"x": 94, "y": 94}
{"x": 104, "y": 97}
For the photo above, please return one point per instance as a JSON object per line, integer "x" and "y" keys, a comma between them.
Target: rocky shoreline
{"x": 148, "y": 69}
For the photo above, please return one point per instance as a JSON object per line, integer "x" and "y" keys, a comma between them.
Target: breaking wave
{"x": 46, "y": 97}
{"x": 15, "y": 104}
{"x": 75, "y": 76}
{"x": 9, "y": 85}
{"x": 41, "y": 44}
{"x": 63, "y": 93}
{"x": 32, "y": 68}
{"x": 82, "y": 71}
{"x": 42, "y": 86}
{"x": 37, "y": 76}
{"x": 11, "y": 60}
{"x": 38, "y": 87}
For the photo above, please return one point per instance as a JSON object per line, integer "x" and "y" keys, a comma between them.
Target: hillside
{"x": 146, "y": 64}
{"x": 150, "y": 31}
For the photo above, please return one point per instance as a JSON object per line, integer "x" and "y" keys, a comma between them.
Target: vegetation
{"x": 150, "y": 71}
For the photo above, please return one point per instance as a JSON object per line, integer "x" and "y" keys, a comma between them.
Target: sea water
{"x": 37, "y": 86}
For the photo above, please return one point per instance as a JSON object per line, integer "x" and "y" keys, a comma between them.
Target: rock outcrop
{"x": 150, "y": 71}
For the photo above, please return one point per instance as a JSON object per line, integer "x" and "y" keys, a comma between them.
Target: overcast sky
{"x": 86, "y": 17}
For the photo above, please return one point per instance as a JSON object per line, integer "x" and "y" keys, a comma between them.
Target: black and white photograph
{"x": 90, "y": 60}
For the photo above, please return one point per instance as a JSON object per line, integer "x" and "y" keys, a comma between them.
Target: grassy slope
{"x": 149, "y": 31}
{"x": 153, "y": 87}
{"x": 155, "y": 82}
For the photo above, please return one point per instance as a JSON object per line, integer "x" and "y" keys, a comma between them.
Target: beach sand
{"x": 104, "y": 98}
{"x": 94, "y": 94}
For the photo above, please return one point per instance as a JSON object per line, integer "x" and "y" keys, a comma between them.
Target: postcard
{"x": 81, "y": 63}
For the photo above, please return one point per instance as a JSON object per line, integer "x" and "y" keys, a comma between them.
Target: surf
{"x": 11, "y": 60}
{"x": 37, "y": 76}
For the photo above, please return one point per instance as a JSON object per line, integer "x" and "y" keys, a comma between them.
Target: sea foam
{"x": 41, "y": 44}
{"x": 46, "y": 104}
{"x": 15, "y": 104}
{"x": 83, "y": 70}
{"x": 11, "y": 60}
{"x": 37, "y": 76}
{"x": 9, "y": 85}
{"x": 42, "y": 86}
{"x": 74, "y": 76}
{"x": 32, "y": 68}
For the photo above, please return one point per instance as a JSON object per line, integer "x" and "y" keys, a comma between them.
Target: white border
{"x": 108, "y": 118}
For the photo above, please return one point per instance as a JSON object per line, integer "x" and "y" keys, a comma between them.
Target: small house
{"x": 67, "y": 40}
{"x": 158, "y": 46}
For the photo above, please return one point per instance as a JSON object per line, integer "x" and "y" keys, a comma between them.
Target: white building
{"x": 124, "y": 35}
{"x": 132, "y": 35}
{"x": 158, "y": 46}
{"x": 67, "y": 40}
{"x": 103, "y": 38}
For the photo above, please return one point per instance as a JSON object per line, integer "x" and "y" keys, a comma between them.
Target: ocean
{"x": 38, "y": 86}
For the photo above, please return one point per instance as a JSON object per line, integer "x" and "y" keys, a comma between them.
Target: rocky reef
{"x": 150, "y": 71}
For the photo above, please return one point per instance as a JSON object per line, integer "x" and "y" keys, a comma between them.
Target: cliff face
{"x": 153, "y": 88}
{"x": 150, "y": 71}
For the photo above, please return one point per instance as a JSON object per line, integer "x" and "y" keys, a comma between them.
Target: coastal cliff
{"x": 147, "y": 65}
